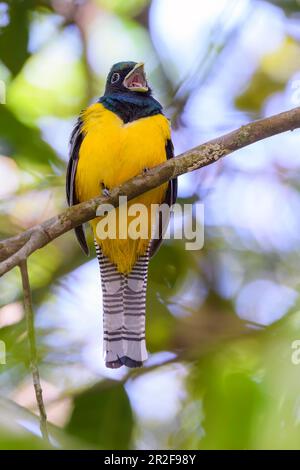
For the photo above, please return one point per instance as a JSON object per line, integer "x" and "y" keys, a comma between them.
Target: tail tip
{"x": 128, "y": 362}
{"x": 114, "y": 364}
{"x": 123, "y": 361}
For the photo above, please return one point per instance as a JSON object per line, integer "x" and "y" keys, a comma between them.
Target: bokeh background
{"x": 221, "y": 322}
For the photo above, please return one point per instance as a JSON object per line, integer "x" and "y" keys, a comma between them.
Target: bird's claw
{"x": 105, "y": 192}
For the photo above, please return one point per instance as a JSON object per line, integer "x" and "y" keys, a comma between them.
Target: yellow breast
{"x": 113, "y": 152}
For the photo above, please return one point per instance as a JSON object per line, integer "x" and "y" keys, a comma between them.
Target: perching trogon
{"x": 115, "y": 139}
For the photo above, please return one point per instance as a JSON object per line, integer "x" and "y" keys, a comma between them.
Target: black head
{"x": 127, "y": 77}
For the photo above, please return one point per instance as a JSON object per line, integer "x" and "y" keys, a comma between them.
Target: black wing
{"x": 75, "y": 143}
{"x": 171, "y": 196}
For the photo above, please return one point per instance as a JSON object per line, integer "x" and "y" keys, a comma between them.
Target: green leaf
{"x": 16, "y": 33}
{"x": 102, "y": 416}
{"x": 28, "y": 146}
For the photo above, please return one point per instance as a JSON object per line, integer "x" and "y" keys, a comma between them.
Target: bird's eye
{"x": 115, "y": 78}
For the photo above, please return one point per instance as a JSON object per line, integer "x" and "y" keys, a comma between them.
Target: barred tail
{"x": 124, "y": 307}
{"x": 112, "y": 283}
{"x": 135, "y": 313}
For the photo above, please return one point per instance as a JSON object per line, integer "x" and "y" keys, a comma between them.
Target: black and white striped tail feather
{"x": 135, "y": 309}
{"x": 124, "y": 305}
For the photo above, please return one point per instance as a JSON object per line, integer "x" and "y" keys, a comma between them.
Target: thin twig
{"x": 33, "y": 350}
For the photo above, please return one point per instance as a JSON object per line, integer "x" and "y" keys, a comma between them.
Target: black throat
{"x": 130, "y": 107}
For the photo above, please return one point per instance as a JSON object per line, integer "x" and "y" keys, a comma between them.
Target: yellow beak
{"x": 135, "y": 80}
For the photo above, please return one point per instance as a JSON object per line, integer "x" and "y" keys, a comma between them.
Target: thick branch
{"x": 32, "y": 348}
{"x": 18, "y": 248}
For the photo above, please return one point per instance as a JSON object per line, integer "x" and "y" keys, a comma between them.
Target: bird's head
{"x": 127, "y": 77}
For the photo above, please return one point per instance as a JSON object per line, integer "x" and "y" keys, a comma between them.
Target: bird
{"x": 123, "y": 134}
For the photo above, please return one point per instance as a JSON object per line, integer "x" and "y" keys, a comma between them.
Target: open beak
{"x": 135, "y": 80}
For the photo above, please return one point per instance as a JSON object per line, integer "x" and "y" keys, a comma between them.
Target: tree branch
{"x": 17, "y": 249}
{"x": 33, "y": 351}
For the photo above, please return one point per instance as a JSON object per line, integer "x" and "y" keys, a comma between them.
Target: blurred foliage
{"x": 289, "y": 6}
{"x": 29, "y": 147}
{"x": 221, "y": 374}
{"x": 272, "y": 75}
{"x": 18, "y": 13}
{"x": 102, "y": 415}
{"x": 130, "y": 7}
{"x": 247, "y": 381}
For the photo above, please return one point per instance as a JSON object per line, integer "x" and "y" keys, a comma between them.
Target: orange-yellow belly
{"x": 111, "y": 153}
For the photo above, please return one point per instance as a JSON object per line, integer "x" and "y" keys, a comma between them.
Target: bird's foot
{"x": 106, "y": 192}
